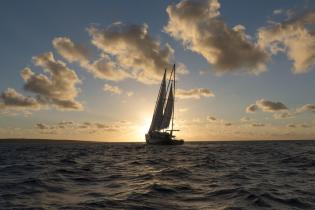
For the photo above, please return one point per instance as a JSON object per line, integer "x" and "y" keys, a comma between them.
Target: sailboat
{"x": 162, "y": 125}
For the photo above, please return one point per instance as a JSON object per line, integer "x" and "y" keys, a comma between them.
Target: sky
{"x": 90, "y": 70}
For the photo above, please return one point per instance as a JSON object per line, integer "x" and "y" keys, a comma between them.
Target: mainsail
{"x": 158, "y": 112}
{"x": 168, "y": 111}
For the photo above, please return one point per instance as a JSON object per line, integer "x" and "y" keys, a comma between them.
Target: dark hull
{"x": 162, "y": 139}
{"x": 170, "y": 142}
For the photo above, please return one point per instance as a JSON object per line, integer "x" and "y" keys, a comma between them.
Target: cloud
{"x": 42, "y": 126}
{"x": 303, "y": 125}
{"x": 131, "y": 49}
{"x": 112, "y": 89}
{"x": 84, "y": 126}
{"x": 57, "y": 87}
{"x": 211, "y": 118}
{"x": 70, "y": 51}
{"x": 195, "y": 93}
{"x": 295, "y": 37}
{"x": 269, "y": 106}
{"x": 258, "y": 124}
{"x": 198, "y": 26}
{"x": 277, "y": 11}
{"x": 251, "y": 108}
{"x": 11, "y": 99}
{"x": 306, "y": 108}
{"x": 283, "y": 115}
{"x": 228, "y": 124}
{"x": 266, "y": 106}
{"x": 291, "y": 126}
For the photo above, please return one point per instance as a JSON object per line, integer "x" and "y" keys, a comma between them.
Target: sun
{"x": 144, "y": 127}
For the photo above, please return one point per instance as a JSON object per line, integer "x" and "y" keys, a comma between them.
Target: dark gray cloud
{"x": 198, "y": 25}
{"x": 270, "y": 106}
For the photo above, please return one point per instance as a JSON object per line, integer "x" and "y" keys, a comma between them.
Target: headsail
{"x": 168, "y": 111}
{"x": 158, "y": 112}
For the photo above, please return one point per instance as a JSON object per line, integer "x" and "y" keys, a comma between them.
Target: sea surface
{"x": 211, "y": 175}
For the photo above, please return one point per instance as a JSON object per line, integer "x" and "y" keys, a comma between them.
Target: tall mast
{"x": 174, "y": 101}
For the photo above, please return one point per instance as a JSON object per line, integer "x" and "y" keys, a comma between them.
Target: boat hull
{"x": 162, "y": 139}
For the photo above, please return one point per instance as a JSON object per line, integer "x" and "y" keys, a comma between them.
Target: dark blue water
{"x": 226, "y": 175}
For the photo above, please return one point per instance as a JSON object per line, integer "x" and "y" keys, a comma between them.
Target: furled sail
{"x": 168, "y": 111}
{"x": 158, "y": 112}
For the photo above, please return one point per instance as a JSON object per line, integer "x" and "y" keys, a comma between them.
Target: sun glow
{"x": 144, "y": 127}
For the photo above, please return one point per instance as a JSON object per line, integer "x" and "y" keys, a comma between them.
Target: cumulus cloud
{"x": 266, "y": 106}
{"x": 198, "y": 26}
{"x": 195, "y": 93}
{"x": 131, "y": 49}
{"x": 270, "y": 106}
{"x": 11, "y": 99}
{"x": 57, "y": 87}
{"x": 70, "y": 51}
{"x": 112, "y": 89}
{"x": 306, "y": 108}
{"x": 295, "y": 37}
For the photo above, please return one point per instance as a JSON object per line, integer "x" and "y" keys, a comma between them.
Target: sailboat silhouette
{"x": 163, "y": 116}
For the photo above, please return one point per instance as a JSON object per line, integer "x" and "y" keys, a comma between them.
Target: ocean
{"x": 200, "y": 175}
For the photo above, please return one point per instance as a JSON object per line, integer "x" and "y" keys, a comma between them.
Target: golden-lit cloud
{"x": 295, "y": 38}
{"x": 198, "y": 26}
{"x": 132, "y": 49}
{"x": 57, "y": 87}
{"x": 103, "y": 67}
{"x": 70, "y": 51}
{"x": 195, "y": 93}
{"x": 11, "y": 99}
